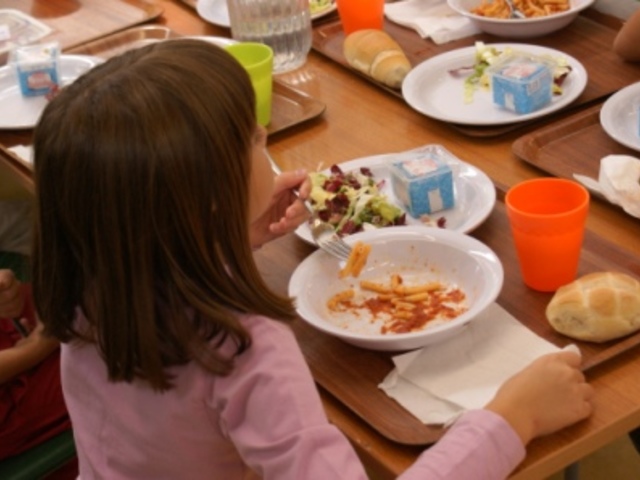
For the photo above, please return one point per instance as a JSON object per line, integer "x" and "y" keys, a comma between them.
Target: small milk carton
{"x": 37, "y": 68}
{"x": 423, "y": 182}
{"x": 521, "y": 83}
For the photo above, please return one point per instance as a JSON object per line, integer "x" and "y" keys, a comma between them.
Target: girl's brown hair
{"x": 142, "y": 171}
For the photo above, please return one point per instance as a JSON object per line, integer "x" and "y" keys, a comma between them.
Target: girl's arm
{"x": 26, "y": 354}
{"x": 11, "y": 295}
{"x": 627, "y": 42}
{"x": 29, "y": 351}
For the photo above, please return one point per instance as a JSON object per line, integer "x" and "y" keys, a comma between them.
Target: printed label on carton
{"x": 37, "y": 68}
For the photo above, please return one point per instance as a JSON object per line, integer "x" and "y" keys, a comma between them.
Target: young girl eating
{"x": 153, "y": 189}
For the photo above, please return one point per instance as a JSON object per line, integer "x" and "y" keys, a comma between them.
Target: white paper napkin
{"x": 618, "y": 181}
{"x": 431, "y": 19}
{"x": 440, "y": 381}
{"x": 24, "y": 152}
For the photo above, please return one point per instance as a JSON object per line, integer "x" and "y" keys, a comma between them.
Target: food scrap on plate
{"x": 399, "y": 307}
{"x": 528, "y": 8}
{"x": 356, "y": 261}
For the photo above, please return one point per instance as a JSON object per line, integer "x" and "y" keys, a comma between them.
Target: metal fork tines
{"x": 328, "y": 240}
{"x": 323, "y": 233}
{"x": 515, "y": 11}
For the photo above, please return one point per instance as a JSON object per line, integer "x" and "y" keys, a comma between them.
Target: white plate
{"x": 475, "y": 195}
{"x": 430, "y": 89}
{"x": 215, "y": 11}
{"x": 619, "y": 116}
{"x": 19, "y": 112}
{"x": 528, "y": 27}
{"x": 421, "y": 256}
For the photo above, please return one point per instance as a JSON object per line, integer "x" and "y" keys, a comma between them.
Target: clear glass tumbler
{"x": 284, "y": 25}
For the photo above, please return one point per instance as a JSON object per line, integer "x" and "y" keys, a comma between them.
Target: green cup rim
{"x": 254, "y": 46}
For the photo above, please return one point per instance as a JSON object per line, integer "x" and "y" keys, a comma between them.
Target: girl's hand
{"x": 285, "y": 211}
{"x": 548, "y": 395}
{"x": 26, "y": 353}
{"x": 11, "y": 297}
{"x": 35, "y": 339}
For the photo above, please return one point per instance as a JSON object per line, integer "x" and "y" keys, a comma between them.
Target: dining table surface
{"x": 360, "y": 119}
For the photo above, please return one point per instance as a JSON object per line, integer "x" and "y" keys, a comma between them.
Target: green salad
{"x": 350, "y": 201}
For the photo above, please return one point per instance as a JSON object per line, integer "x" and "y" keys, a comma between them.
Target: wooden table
{"x": 362, "y": 120}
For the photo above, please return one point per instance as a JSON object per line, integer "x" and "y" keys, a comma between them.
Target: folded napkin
{"x": 439, "y": 382}
{"x": 618, "y": 181}
{"x": 431, "y": 19}
{"x": 23, "y": 152}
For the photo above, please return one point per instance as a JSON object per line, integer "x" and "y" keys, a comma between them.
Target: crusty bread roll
{"x": 375, "y": 53}
{"x": 596, "y": 307}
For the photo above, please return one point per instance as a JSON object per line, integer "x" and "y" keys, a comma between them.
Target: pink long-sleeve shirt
{"x": 264, "y": 420}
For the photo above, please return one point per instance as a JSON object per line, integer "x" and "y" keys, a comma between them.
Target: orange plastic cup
{"x": 547, "y": 217}
{"x": 360, "y": 14}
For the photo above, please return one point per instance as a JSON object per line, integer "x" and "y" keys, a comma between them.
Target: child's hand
{"x": 26, "y": 353}
{"x": 548, "y": 395}
{"x": 286, "y": 211}
{"x": 34, "y": 338}
{"x": 11, "y": 297}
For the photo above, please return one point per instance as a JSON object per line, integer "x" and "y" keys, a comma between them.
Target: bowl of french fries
{"x": 402, "y": 288}
{"x": 536, "y": 17}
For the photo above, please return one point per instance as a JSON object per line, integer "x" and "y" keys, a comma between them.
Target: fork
{"x": 515, "y": 11}
{"x": 323, "y": 233}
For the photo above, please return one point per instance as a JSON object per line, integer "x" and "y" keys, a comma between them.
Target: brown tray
{"x": 586, "y": 39}
{"x": 78, "y": 21}
{"x": 290, "y": 107}
{"x": 572, "y": 145}
{"x": 352, "y": 374}
{"x": 192, "y": 3}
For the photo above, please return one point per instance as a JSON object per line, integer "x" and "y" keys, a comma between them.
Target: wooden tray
{"x": 78, "y": 21}
{"x": 194, "y": 4}
{"x": 191, "y": 3}
{"x": 352, "y": 374}
{"x": 586, "y": 39}
{"x": 571, "y": 145}
{"x": 290, "y": 107}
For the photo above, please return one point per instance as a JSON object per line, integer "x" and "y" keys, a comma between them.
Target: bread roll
{"x": 597, "y": 307}
{"x": 375, "y": 53}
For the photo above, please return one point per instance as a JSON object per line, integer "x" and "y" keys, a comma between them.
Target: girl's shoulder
{"x": 266, "y": 331}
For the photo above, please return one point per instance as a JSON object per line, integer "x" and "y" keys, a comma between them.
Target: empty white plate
{"x": 620, "y": 116}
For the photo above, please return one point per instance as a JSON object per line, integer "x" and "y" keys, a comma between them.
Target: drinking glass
{"x": 360, "y": 14}
{"x": 547, "y": 218}
{"x": 284, "y": 25}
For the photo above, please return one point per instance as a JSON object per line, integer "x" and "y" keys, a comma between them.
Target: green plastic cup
{"x": 257, "y": 59}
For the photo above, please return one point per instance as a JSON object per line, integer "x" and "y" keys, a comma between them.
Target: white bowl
{"x": 520, "y": 27}
{"x": 420, "y": 255}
